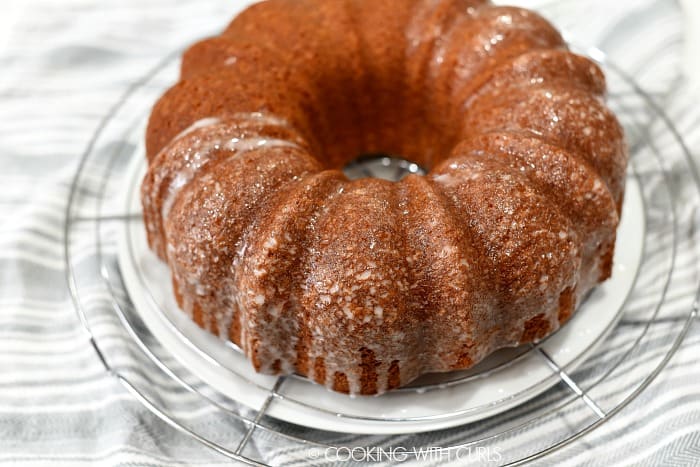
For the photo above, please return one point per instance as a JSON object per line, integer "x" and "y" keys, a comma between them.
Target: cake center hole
{"x": 384, "y": 166}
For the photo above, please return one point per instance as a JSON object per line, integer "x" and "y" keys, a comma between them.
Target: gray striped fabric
{"x": 62, "y": 66}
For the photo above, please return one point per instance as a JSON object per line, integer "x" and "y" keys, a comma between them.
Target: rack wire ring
{"x": 257, "y": 422}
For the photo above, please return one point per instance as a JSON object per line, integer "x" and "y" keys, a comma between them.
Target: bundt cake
{"x": 363, "y": 285}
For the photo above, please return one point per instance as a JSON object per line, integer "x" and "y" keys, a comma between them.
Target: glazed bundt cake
{"x": 363, "y": 285}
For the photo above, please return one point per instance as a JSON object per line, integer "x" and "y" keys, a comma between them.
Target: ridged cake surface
{"x": 363, "y": 285}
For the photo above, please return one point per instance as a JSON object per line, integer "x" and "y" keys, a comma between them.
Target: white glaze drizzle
{"x": 201, "y": 123}
{"x": 203, "y": 151}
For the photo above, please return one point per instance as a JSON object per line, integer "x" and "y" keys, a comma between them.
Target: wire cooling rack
{"x": 652, "y": 324}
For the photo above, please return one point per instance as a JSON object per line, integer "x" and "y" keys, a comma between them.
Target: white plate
{"x": 454, "y": 401}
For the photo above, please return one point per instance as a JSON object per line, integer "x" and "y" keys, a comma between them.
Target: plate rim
{"x": 337, "y": 421}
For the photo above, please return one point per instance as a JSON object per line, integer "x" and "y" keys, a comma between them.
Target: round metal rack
{"x": 651, "y": 324}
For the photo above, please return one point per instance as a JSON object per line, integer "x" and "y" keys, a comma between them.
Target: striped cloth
{"x": 63, "y": 65}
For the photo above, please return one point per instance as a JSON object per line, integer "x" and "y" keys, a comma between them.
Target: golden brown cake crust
{"x": 364, "y": 285}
